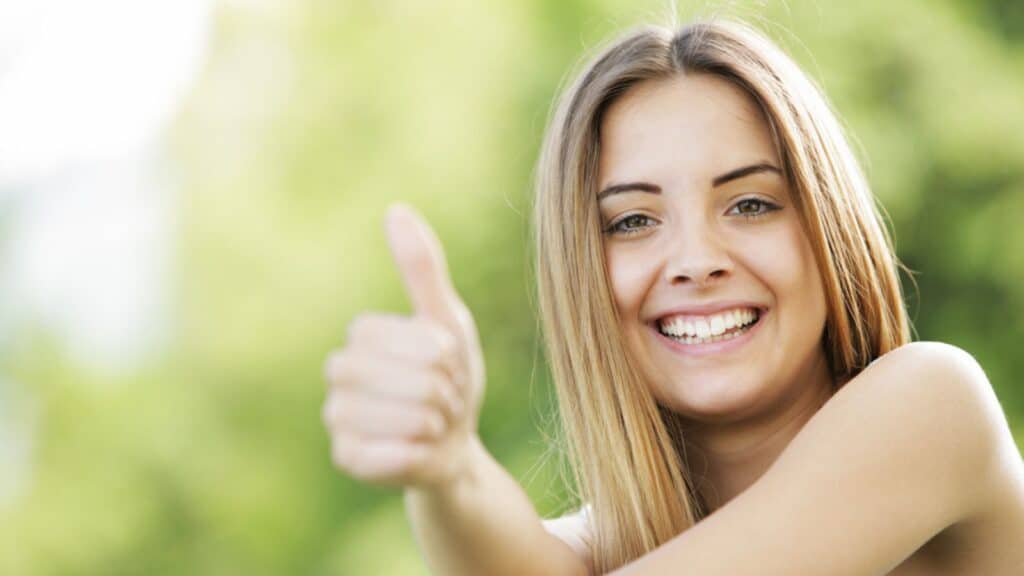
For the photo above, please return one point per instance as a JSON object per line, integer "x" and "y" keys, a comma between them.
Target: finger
{"x": 378, "y": 461}
{"x": 422, "y": 265}
{"x": 420, "y": 341}
{"x": 374, "y": 418}
{"x": 377, "y": 376}
{"x": 454, "y": 405}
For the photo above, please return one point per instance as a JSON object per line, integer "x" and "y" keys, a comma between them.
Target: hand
{"x": 405, "y": 392}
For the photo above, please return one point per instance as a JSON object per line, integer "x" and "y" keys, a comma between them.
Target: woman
{"x": 729, "y": 344}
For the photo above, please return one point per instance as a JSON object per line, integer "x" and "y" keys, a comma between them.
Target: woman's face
{"x": 719, "y": 295}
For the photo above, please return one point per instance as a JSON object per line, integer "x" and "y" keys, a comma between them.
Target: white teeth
{"x": 708, "y": 328}
{"x": 717, "y": 325}
{"x": 703, "y": 330}
{"x": 730, "y": 320}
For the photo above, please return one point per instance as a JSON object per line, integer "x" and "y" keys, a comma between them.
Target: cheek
{"x": 630, "y": 276}
{"x": 786, "y": 263}
{"x": 810, "y": 285}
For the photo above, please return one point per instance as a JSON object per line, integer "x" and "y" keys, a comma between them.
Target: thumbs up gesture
{"x": 405, "y": 392}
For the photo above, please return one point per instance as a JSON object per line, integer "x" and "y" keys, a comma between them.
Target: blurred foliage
{"x": 311, "y": 117}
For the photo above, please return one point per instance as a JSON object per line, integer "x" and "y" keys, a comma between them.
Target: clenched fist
{"x": 404, "y": 393}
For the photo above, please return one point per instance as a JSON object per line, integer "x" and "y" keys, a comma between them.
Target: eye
{"x": 630, "y": 224}
{"x": 753, "y": 207}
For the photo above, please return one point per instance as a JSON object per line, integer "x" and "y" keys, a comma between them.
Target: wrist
{"x": 466, "y": 473}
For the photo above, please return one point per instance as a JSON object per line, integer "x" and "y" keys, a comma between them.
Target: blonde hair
{"x": 625, "y": 452}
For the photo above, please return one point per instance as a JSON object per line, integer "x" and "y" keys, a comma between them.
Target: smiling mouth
{"x": 718, "y": 327}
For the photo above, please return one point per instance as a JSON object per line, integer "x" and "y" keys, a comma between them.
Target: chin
{"x": 711, "y": 400}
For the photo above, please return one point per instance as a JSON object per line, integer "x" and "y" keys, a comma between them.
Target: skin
{"x": 402, "y": 406}
{"x": 908, "y": 469}
{"x": 696, "y": 243}
{"x": 802, "y": 480}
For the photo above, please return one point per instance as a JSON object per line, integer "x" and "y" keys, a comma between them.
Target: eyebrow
{"x": 715, "y": 182}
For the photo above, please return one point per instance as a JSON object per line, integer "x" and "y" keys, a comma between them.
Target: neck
{"x": 726, "y": 458}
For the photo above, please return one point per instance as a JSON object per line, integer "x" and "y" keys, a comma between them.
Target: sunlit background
{"x": 191, "y": 199}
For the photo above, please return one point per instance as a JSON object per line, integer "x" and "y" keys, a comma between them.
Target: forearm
{"x": 486, "y": 524}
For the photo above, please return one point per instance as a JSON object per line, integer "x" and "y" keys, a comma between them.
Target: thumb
{"x": 422, "y": 265}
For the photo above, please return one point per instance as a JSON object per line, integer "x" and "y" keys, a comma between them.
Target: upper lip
{"x": 707, "y": 309}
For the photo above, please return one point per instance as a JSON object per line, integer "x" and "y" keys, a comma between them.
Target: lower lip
{"x": 710, "y": 348}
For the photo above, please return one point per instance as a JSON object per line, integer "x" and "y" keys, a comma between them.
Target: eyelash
{"x": 765, "y": 208}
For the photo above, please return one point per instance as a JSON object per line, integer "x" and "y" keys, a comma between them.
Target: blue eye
{"x": 753, "y": 207}
{"x": 630, "y": 224}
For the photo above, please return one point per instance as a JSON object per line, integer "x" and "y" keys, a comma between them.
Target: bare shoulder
{"x": 930, "y": 373}
{"x": 937, "y": 397}
{"x": 573, "y": 529}
{"x": 956, "y": 425}
{"x": 931, "y": 366}
{"x": 952, "y": 396}
{"x": 913, "y": 446}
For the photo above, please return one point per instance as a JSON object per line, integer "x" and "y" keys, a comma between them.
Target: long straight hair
{"x": 624, "y": 450}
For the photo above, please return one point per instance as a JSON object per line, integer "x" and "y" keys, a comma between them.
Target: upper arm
{"x": 573, "y": 531}
{"x": 902, "y": 451}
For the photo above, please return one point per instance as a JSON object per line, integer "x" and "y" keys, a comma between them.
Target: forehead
{"x": 689, "y": 127}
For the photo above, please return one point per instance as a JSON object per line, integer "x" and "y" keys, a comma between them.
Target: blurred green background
{"x": 307, "y": 118}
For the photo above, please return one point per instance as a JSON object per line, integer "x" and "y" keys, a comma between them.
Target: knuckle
{"x": 333, "y": 365}
{"x": 353, "y": 461}
{"x": 420, "y": 460}
{"x": 361, "y": 469}
{"x": 447, "y": 346}
{"x": 443, "y": 345}
{"x": 435, "y": 424}
{"x": 342, "y": 455}
{"x": 429, "y": 425}
{"x": 341, "y": 367}
{"x": 361, "y": 324}
{"x": 338, "y": 413}
{"x": 453, "y": 402}
{"x": 435, "y": 395}
{"x": 408, "y": 461}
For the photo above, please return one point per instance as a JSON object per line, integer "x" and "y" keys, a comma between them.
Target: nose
{"x": 697, "y": 256}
